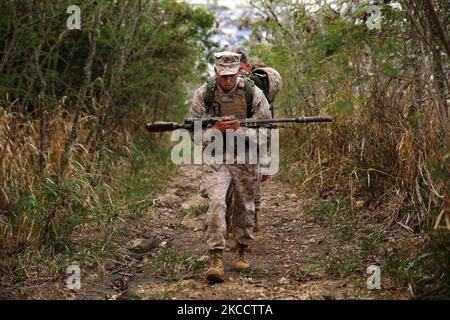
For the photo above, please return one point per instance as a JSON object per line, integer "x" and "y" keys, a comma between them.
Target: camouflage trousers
{"x": 218, "y": 182}
{"x": 229, "y": 200}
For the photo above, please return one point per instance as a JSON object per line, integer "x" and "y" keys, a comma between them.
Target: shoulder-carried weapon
{"x": 161, "y": 126}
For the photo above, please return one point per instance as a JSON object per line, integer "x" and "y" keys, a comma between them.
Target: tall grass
{"x": 387, "y": 151}
{"x": 388, "y": 143}
{"x": 48, "y": 221}
{"x": 73, "y": 104}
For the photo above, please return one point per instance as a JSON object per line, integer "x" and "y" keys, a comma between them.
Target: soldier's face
{"x": 226, "y": 82}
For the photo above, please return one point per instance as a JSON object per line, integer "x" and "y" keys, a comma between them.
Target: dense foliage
{"x": 73, "y": 104}
{"x": 388, "y": 149}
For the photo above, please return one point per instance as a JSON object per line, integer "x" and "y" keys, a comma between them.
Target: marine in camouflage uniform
{"x": 217, "y": 179}
{"x": 245, "y": 68}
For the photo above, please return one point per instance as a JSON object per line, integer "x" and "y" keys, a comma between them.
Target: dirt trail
{"x": 285, "y": 257}
{"x": 166, "y": 256}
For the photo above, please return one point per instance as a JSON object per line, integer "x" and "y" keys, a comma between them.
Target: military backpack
{"x": 265, "y": 78}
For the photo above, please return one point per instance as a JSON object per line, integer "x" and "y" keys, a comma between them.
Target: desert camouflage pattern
{"x": 275, "y": 81}
{"x": 216, "y": 181}
{"x": 261, "y": 108}
{"x": 258, "y": 190}
{"x": 230, "y": 205}
{"x": 232, "y": 102}
{"x": 229, "y": 188}
{"x": 227, "y": 63}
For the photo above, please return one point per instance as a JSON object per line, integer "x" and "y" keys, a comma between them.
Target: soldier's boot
{"x": 215, "y": 271}
{"x": 241, "y": 257}
{"x": 256, "y": 225}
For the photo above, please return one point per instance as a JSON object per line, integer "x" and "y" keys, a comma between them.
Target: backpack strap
{"x": 248, "y": 89}
{"x": 209, "y": 96}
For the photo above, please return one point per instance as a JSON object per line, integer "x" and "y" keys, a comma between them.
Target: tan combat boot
{"x": 240, "y": 258}
{"x": 215, "y": 271}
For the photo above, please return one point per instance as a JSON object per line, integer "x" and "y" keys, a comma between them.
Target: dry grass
{"x": 376, "y": 155}
{"x": 45, "y": 218}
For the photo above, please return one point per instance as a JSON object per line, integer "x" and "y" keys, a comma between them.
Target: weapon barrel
{"x": 287, "y": 120}
{"x": 163, "y": 126}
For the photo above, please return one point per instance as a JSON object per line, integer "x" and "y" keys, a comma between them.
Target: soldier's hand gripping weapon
{"x": 249, "y": 123}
